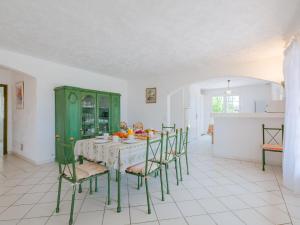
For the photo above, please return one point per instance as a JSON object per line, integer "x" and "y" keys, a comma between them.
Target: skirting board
{"x": 30, "y": 160}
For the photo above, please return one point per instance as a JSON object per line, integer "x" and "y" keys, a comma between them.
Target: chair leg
{"x": 117, "y": 176}
{"x": 138, "y": 186}
{"x": 119, "y": 191}
{"x": 187, "y": 164}
{"x": 167, "y": 179}
{"x": 263, "y": 159}
{"x": 161, "y": 184}
{"x": 58, "y": 194}
{"x": 141, "y": 182}
{"x": 180, "y": 169}
{"x": 96, "y": 184}
{"x": 108, "y": 188}
{"x": 176, "y": 170}
{"x": 72, "y": 205}
{"x": 147, "y": 193}
{"x": 80, "y": 162}
{"x": 91, "y": 185}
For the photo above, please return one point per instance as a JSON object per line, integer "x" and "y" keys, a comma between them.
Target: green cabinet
{"x": 83, "y": 113}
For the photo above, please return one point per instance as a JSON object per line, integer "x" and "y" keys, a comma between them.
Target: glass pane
{"x": 104, "y": 114}
{"x": 88, "y": 115}
{"x": 217, "y": 104}
{"x": 233, "y": 104}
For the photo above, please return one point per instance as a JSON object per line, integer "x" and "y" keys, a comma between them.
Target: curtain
{"x": 291, "y": 160}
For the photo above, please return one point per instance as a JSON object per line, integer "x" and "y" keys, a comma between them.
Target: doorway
{"x": 3, "y": 120}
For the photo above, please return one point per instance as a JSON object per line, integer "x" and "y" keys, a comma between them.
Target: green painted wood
{"x": 69, "y": 112}
{"x": 103, "y": 123}
{"x": 59, "y": 117}
{"x": 72, "y": 113}
{"x": 115, "y": 112}
{"x": 88, "y": 108}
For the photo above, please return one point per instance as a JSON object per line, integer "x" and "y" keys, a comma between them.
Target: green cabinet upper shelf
{"x": 83, "y": 113}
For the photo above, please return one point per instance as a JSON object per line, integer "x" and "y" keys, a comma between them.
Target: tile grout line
{"x": 34, "y": 205}
{"x": 282, "y": 195}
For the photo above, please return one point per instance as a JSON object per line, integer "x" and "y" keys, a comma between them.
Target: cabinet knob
{"x": 57, "y": 136}
{"x": 71, "y": 139}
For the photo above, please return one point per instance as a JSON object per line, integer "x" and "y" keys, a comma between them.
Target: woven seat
{"x": 80, "y": 174}
{"x": 92, "y": 168}
{"x": 271, "y": 147}
{"x": 140, "y": 168}
{"x": 86, "y": 170}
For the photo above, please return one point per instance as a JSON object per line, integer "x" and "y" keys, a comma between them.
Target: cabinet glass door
{"x": 103, "y": 113}
{"x": 88, "y": 115}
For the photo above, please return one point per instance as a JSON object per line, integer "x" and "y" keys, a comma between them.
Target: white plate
{"x": 101, "y": 141}
{"x": 130, "y": 141}
{"x": 99, "y": 137}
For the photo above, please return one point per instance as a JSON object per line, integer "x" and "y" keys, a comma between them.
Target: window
{"x": 232, "y": 104}
{"x": 217, "y": 104}
{"x": 226, "y": 104}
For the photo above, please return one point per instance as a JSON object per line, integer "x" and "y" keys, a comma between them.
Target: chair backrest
{"x": 171, "y": 145}
{"x": 168, "y": 127}
{"x": 66, "y": 158}
{"x": 138, "y": 126}
{"x": 183, "y": 140}
{"x": 273, "y": 135}
{"x": 123, "y": 125}
{"x": 154, "y": 152}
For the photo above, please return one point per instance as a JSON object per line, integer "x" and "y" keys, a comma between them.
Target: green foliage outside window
{"x": 228, "y": 104}
{"x": 217, "y": 104}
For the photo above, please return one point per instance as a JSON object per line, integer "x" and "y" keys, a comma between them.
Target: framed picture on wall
{"x": 150, "y": 95}
{"x": 20, "y": 95}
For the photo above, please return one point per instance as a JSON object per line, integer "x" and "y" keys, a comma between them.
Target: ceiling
{"x": 139, "y": 38}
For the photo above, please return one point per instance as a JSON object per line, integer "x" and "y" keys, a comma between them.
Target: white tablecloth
{"x": 130, "y": 154}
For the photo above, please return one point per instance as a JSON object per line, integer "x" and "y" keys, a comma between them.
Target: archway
{"x": 190, "y": 105}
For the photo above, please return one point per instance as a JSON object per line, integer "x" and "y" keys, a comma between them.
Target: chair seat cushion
{"x": 92, "y": 168}
{"x": 140, "y": 168}
{"x": 86, "y": 170}
{"x": 80, "y": 174}
{"x": 272, "y": 147}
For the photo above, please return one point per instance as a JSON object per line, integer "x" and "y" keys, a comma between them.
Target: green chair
{"x": 76, "y": 173}
{"x": 169, "y": 155}
{"x": 272, "y": 144}
{"x": 152, "y": 164}
{"x": 182, "y": 150}
{"x": 168, "y": 127}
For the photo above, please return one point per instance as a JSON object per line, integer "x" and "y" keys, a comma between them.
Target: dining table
{"x": 116, "y": 155}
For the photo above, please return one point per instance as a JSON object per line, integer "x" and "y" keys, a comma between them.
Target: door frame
{"x": 5, "y": 118}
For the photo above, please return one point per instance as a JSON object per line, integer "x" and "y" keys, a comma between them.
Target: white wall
{"x": 248, "y": 96}
{"x": 154, "y": 114}
{"x": 24, "y": 120}
{"x": 49, "y": 75}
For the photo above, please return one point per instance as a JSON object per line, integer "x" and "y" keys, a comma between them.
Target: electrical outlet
{"x": 21, "y": 147}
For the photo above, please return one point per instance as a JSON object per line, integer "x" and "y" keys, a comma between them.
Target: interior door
{"x": 3, "y": 120}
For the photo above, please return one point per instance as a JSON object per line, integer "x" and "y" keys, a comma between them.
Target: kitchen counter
{"x": 239, "y": 135}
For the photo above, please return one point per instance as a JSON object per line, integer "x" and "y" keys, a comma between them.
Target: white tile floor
{"x": 218, "y": 191}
